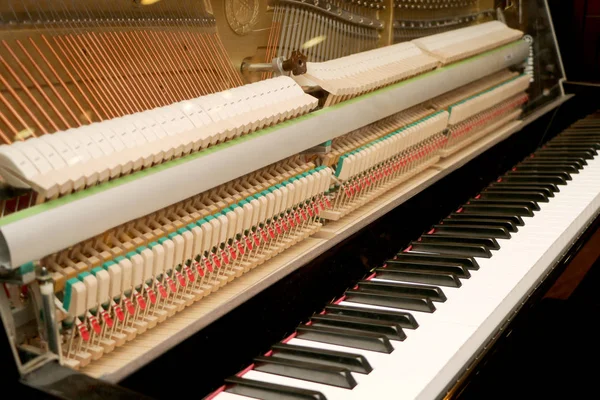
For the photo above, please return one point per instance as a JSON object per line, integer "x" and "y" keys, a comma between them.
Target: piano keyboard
{"x": 116, "y": 286}
{"x": 409, "y": 329}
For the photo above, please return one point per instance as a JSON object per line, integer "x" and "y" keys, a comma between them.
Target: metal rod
{"x": 47, "y": 294}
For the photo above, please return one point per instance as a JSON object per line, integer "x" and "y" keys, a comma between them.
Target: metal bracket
{"x": 322, "y": 148}
{"x": 295, "y": 65}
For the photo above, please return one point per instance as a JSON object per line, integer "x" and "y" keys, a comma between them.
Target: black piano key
{"x": 391, "y": 330}
{"x": 593, "y": 142}
{"x": 482, "y": 221}
{"x": 532, "y": 205}
{"x": 572, "y": 168}
{"x": 434, "y": 293}
{"x": 515, "y": 219}
{"x": 533, "y": 178}
{"x": 435, "y": 266}
{"x": 495, "y": 194}
{"x": 481, "y": 218}
{"x": 541, "y": 167}
{"x": 346, "y": 338}
{"x": 546, "y": 161}
{"x": 588, "y": 153}
{"x": 327, "y": 375}
{"x": 588, "y": 123}
{"x": 584, "y": 136}
{"x": 585, "y": 154}
{"x": 351, "y": 362}
{"x": 420, "y": 276}
{"x": 560, "y": 176}
{"x": 392, "y": 300}
{"x": 490, "y": 242}
{"x": 547, "y": 190}
{"x": 585, "y": 125}
{"x": 585, "y": 139}
{"x": 404, "y": 319}
{"x": 467, "y": 262}
{"x": 507, "y": 209}
{"x": 471, "y": 230}
{"x": 452, "y": 249}
{"x": 546, "y": 147}
{"x": 571, "y": 146}
{"x": 558, "y": 157}
{"x": 578, "y": 135}
{"x": 269, "y": 391}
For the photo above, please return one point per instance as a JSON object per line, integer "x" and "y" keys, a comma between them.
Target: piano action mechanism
{"x": 163, "y": 160}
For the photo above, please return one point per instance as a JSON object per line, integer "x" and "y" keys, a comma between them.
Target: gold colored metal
{"x": 386, "y": 37}
{"x": 248, "y": 38}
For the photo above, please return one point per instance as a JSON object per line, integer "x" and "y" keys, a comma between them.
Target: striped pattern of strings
{"x": 78, "y": 65}
{"x": 319, "y": 36}
{"x": 415, "y": 19}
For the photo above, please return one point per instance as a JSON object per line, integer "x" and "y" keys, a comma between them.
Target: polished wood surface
{"x": 577, "y": 270}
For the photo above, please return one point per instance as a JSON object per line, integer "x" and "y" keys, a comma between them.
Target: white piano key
{"x": 232, "y": 396}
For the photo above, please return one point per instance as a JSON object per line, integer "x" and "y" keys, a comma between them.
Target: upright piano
{"x": 283, "y": 199}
